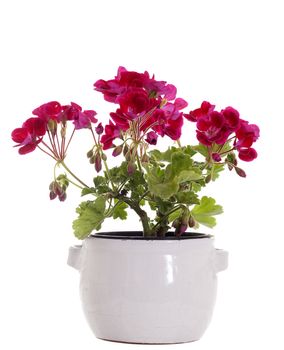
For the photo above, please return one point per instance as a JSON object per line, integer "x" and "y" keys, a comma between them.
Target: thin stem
{"x": 50, "y": 155}
{"x": 167, "y": 214}
{"x": 139, "y": 163}
{"x": 179, "y": 144}
{"x": 74, "y": 183}
{"x": 104, "y": 161}
{"x": 144, "y": 195}
{"x": 72, "y": 174}
{"x": 69, "y": 140}
{"x": 54, "y": 150}
{"x": 50, "y": 149}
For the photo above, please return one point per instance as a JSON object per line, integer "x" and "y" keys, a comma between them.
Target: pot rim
{"x": 137, "y": 235}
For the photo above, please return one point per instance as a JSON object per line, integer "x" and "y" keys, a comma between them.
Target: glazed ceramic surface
{"x": 148, "y": 291}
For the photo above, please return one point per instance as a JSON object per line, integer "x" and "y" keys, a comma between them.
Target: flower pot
{"x": 151, "y": 291}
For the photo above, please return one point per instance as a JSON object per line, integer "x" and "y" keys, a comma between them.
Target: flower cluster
{"x": 170, "y": 181}
{"x": 144, "y": 109}
{"x": 215, "y": 127}
{"x": 48, "y": 117}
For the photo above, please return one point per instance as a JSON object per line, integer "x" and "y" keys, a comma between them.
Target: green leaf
{"x": 203, "y": 213}
{"x": 99, "y": 180}
{"x": 91, "y": 216}
{"x": 202, "y": 149}
{"x": 188, "y": 198}
{"x": 176, "y": 214}
{"x": 215, "y": 171}
{"x": 119, "y": 211}
{"x": 88, "y": 190}
{"x": 165, "y": 182}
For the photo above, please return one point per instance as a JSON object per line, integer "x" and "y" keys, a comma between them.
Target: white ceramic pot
{"x": 155, "y": 291}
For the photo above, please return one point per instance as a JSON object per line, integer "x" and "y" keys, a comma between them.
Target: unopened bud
{"x": 62, "y": 197}
{"x": 131, "y": 167}
{"x": 52, "y": 125}
{"x": 145, "y": 158}
{"x": 128, "y": 155}
{"x": 104, "y": 157}
{"x": 240, "y": 172}
{"x": 92, "y": 159}
{"x": 208, "y": 178}
{"x": 125, "y": 149}
{"x": 117, "y": 151}
{"x": 99, "y": 129}
{"x": 180, "y": 230}
{"x": 90, "y": 153}
{"x": 191, "y": 221}
{"x": 216, "y": 157}
{"x": 98, "y": 163}
{"x": 176, "y": 223}
{"x": 52, "y": 195}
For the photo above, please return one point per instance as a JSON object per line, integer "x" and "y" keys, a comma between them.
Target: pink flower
{"x": 134, "y": 101}
{"x": 47, "y": 111}
{"x": 205, "y": 108}
{"x": 81, "y": 119}
{"x": 247, "y": 154}
{"x": 127, "y": 80}
{"x": 151, "y": 138}
{"x": 247, "y": 134}
{"x": 213, "y": 126}
{"x": 29, "y": 135}
{"x": 112, "y": 132}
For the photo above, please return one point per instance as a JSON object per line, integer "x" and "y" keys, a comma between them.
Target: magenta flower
{"x": 247, "y": 154}
{"x": 29, "y": 135}
{"x": 112, "y": 132}
{"x": 151, "y": 138}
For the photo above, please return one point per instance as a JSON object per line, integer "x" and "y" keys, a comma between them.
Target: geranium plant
{"x": 162, "y": 188}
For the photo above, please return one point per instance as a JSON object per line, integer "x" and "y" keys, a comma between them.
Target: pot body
{"x": 148, "y": 291}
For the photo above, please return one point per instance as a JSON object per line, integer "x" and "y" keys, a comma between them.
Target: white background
{"x": 226, "y": 52}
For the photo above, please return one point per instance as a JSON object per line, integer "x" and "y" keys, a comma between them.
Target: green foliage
{"x": 166, "y": 182}
{"x": 119, "y": 211}
{"x": 188, "y": 198}
{"x": 204, "y": 212}
{"x": 91, "y": 216}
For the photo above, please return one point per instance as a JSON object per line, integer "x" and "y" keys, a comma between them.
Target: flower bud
{"x": 117, "y": 151}
{"x": 125, "y": 149}
{"x": 145, "y": 158}
{"x": 131, "y": 167}
{"x": 240, "y": 172}
{"x": 99, "y": 129}
{"x": 52, "y": 126}
{"x": 128, "y": 155}
{"x": 216, "y": 157}
{"x": 191, "y": 221}
{"x": 52, "y": 195}
{"x": 208, "y": 178}
{"x": 176, "y": 223}
{"x": 98, "y": 163}
{"x": 180, "y": 230}
{"x": 90, "y": 153}
{"x": 62, "y": 197}
{"x": 104, "y": 157}
{"x": 92, "y": 159}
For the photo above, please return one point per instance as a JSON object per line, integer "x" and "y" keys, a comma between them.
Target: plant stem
{"x": 71, "y": 173}
{"x": 167, "y": 214}
{"x": 104, "y": 161}
{"x": 147, "y": 232}
{"x": 50, "y": 155}
{"x": 139, "y": 164}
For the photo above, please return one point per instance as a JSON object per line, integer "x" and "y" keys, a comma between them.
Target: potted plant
{"x": 157, "y": 284}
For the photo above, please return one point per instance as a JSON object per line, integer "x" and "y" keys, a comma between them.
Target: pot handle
{"x": 74, "y": 256}
{"x": 221, "y": 260}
